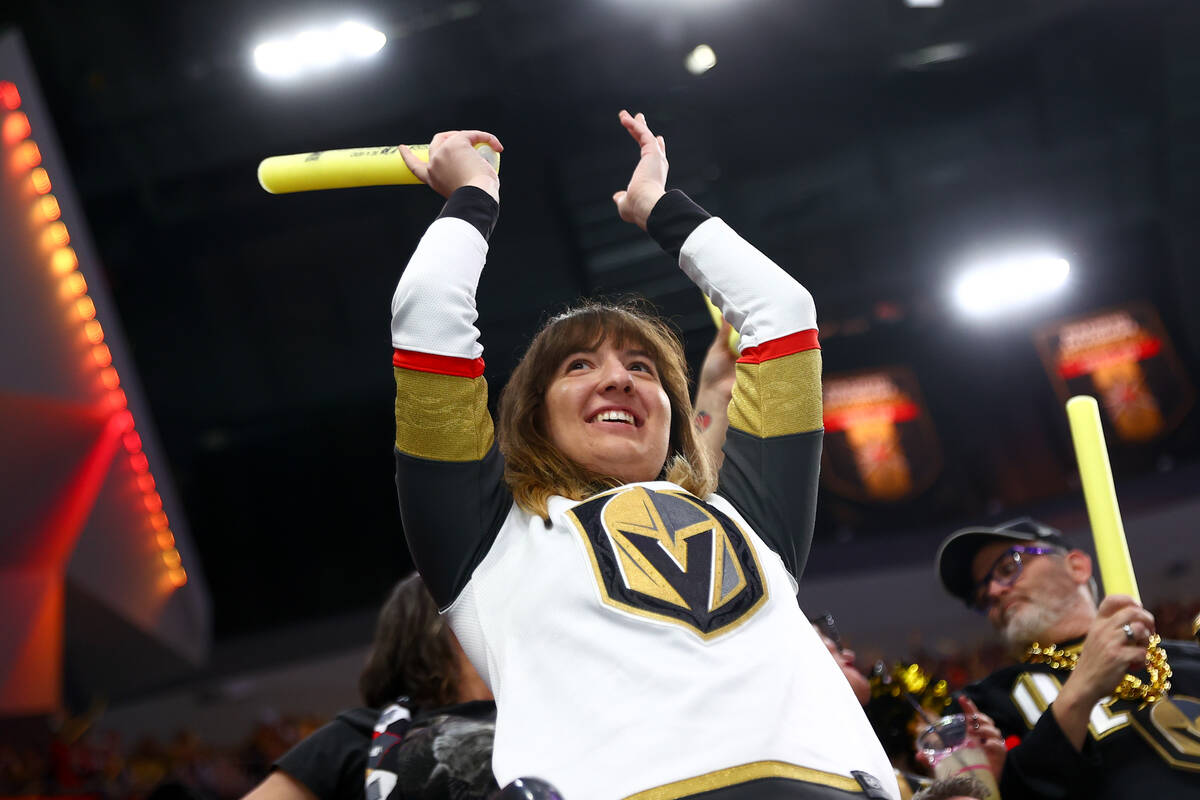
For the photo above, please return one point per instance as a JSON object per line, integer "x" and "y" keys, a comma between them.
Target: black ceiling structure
{"x": 866, "y": 146}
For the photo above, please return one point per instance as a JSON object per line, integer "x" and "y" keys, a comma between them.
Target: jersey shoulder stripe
{"x": 783, "y": 346}
{"x": 438, "y": 364}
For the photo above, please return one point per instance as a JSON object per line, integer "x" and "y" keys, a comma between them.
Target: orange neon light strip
{"x": 40, "y": 180}
{"x": 64, "y": 260}
{"x": 10, "y": 98}
{"x": 15, "y": 129}
{"x": 48, "y": 208}
{"x": 73, "y": 286}
{"x": 27, "y": 156}
{"x": 93, "y": 331}
{"x": 15, "y": 133}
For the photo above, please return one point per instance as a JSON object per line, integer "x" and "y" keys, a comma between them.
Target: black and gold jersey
{"x": 643, "y": 642}
{"x": 1129, "y": 751}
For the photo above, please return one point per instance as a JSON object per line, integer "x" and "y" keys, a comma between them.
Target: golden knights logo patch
{"x": 1172, "y": 727}
{"x": 671, "y": 557}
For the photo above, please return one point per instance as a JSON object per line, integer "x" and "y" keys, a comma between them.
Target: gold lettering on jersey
{"x": 1033, "y": 692}
{"x": 669, "y": 556}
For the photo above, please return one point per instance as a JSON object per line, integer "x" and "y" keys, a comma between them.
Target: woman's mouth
{"x": 614, "y": 415}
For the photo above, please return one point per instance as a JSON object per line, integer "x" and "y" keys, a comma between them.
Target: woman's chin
{"x": 623, "y": 471}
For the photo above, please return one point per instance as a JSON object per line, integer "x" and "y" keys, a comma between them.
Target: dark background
{"x": 825, "y": 135}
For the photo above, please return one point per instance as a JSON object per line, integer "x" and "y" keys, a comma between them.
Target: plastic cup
{"x": 951, "y": 752}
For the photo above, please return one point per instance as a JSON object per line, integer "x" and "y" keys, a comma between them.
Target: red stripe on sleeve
{"x": 439, "y": 365}
{"x": 783, "y": 346}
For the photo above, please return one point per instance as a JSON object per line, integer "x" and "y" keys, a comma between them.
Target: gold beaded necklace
{"x": 1131, "y": 687}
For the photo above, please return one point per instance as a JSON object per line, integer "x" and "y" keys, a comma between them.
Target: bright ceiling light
{"x": 700, "y": 60}
{"x": 923, "y": 3}
{"x": 317, "y": 49}
{"x": 276, "y": 59}
{"x": 358, "y": 40}
{"x": 1008, "y": 284}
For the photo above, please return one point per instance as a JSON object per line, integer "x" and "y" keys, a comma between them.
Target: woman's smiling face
{"x": 607, "y": 411}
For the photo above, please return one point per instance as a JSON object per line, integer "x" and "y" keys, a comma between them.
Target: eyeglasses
{"x": 1005, "y": 570}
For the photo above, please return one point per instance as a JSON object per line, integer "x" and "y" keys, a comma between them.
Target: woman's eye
{"x": 641, "y": 365}
{"x": 576, "y": 364}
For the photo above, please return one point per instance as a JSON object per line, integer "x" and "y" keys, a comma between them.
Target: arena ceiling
{"x": 865, "y": 145}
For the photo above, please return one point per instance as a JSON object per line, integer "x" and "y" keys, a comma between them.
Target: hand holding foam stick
{"x": 344, "y": 169}
{"x": 453, "y": 163}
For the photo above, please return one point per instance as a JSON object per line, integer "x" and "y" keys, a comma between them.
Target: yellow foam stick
{"x": 344, "y": 169}
{"x": 1095, "y": 473}
{"x": 718, "y": 320}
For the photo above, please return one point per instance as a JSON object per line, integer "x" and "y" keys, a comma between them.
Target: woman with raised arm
{"x": 634, "y": 614}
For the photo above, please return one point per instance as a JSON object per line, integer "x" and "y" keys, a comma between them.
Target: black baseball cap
{"x": 956, "y": 554}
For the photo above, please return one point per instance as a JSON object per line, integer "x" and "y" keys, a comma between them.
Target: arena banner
{"x": 880, "y": 444}
{"x": 1124, "y": 357}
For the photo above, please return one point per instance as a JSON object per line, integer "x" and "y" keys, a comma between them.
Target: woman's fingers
{"x": 415, "y": 165}
{"x": 483, "y": 137}
{"x": 639, "y": 130}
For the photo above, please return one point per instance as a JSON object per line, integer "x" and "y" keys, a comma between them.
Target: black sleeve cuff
{"x": 474, "y": 205}
{"x": 673, "y": 219}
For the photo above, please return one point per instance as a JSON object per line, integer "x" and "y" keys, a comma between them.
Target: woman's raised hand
{"x": 454, "y": 162}
{"x": 649, "y": 179}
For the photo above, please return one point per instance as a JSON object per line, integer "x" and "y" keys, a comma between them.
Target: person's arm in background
{"x": 328, "y": 764}
{"x": 280, "y": 786}
{"x": 714, "y": 389}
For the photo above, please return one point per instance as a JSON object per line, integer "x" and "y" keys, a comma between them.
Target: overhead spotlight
{"x": 277, "y": 59}
{"x": 923, "y": 3}
{"x": 358, "y": 40}
{"x": 317, "y": 49}
{"x": 700, "y": 60}
{"x": 1009, "y": 283}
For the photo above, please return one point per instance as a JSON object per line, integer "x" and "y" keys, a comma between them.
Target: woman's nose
{"x": 616, "y": 376}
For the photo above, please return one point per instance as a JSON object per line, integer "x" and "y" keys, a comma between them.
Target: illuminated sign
{"x": 880, "y": 444}
{"x": 1124, "y": 358}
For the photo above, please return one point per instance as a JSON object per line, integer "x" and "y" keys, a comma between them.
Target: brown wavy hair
{"x": 412, "y": 654}
{"x": 534, "y": 468}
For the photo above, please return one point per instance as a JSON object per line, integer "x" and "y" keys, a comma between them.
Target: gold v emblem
{"x": 669, "y": 555}
{"x": 635, "y": 525}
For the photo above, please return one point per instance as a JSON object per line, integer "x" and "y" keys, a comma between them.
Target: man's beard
{"x": 1031, "y": 619}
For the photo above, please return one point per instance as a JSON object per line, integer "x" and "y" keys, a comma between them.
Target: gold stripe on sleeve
{"x": 744, "y": 773}
{"x": 779, "y": 397}
{"x": 442, "y": 417}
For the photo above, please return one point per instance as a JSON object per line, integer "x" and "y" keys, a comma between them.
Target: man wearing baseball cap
{"x": 1085, "y": 728}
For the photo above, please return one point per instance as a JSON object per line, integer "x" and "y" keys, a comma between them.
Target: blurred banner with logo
{"x": 1124, "y": 357}
{"x": 880, "y": 444}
